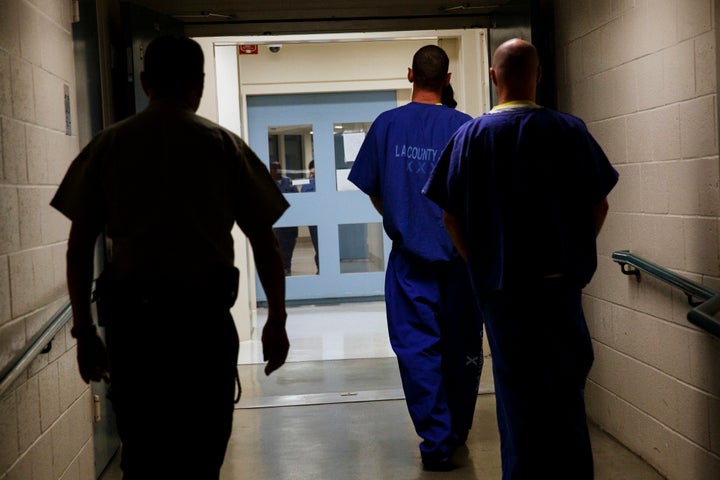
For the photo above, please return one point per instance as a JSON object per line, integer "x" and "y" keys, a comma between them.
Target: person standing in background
{"x": 310, "y": 187}
{"x": 447, "y": 97}
{"x": 287, "y": 236}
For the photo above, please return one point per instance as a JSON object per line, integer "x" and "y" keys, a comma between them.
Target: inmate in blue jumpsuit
{"x": 524, "y": 180}
{"x": 433, "y": 322}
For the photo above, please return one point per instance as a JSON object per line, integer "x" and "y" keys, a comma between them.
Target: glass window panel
{"x": 361, "y": 247}
{"x": 299, "y": 249}
{"x": 291, "y": 152}
{"x": 347, "y": 138}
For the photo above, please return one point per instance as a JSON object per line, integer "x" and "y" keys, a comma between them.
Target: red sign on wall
{"x": 247, "y": 49}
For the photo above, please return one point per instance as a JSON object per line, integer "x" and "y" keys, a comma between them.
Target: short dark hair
{"x": 173, "y": 63}
{"x": 430, "y": 66}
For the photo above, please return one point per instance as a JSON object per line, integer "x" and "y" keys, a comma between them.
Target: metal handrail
{"x": 705, "y": 314}
{"x": 38, "y": 345}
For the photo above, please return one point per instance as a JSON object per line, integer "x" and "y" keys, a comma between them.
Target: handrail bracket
{"x": 630, "y": 270}
{"x": 691, "y": 302}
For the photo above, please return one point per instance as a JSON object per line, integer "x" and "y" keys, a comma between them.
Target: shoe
{"x": 442, "y": 465}
{"x": 462, "y": 437}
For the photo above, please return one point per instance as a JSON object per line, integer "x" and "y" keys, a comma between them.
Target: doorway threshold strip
{"x": 331, "y": 398}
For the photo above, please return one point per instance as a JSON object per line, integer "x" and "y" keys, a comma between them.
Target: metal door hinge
{"x": 96, "y": 408}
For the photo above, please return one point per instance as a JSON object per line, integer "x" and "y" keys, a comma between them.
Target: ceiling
{"x": 272, "y": 17}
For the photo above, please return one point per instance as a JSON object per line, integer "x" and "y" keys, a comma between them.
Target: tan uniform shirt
{"x": 168, "y": 186}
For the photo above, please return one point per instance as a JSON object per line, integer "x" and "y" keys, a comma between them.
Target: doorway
{"x": 306, "y": 69}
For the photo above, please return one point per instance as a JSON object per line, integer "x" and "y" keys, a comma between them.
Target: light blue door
{"x": 331, "y": 235}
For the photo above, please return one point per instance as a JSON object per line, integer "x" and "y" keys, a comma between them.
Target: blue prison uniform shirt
{"x": 394, "y": 162}
{"x": 524, "y": 181}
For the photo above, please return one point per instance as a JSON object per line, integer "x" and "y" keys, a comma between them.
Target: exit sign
{"x": 247, "y": 49}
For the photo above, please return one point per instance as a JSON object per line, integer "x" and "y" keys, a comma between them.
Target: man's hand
{"x": 275, "y": 344}
{"x": 92, "y": 358}
{"x": 268, "y": 263}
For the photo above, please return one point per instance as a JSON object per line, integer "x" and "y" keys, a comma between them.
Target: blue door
{"x": 332, "y": 238}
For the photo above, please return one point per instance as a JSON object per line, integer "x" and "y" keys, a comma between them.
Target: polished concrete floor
{"x": 329, "y": 416}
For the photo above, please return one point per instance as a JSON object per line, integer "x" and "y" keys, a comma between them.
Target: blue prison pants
{"x": 541, "y": 353}
{"x": 436, "y": 333}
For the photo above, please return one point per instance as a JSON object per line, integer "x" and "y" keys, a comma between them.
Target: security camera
{"x": 274, "y": 48}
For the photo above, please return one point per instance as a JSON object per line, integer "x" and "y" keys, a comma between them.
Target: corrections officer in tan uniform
{"x": 166, "y": 187}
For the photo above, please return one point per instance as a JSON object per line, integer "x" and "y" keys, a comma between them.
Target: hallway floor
{"x": 326, "y": 415}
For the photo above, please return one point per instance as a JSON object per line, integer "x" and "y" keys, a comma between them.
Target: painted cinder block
{"x": 37, "y": 155}
{"x": 655, "y": 184}
{"x": 639, "y": 137}
{"x": 678, "y": 72}
{"x": 670, "y": 402}
{"x": 62, "y": 443}
{"x": 22, "y": 88}
{"x": 42, "y": 458}
{"x": 665, "y": 133}
{"x": 695, "y": 187}
{"x": 705, "y": 73}
{"x": 31, "y": 33}
{"x": 698, "y": 132}
{"x": 580, "y": 100}
{"x": 614, "y": 92}
{"x": 704, "y": 371}
{"x": 650, "y": 75}
{"x": 5, "y": 90}
{"x": 31, "y": 280}
{"x": 652, "y": 297}
{"x": 694, "y": 17}
{"x": 613, "y": 33}
{"x": 614, "y": 236}
{"x": 611, "y": 135}
{"x": 28, "y": 408}
{"x": 57, "y": 50}
{"x": 714, "y": 408}
{"x": 49, "y": 100}
{"x": 674, "y": 456}
{"x": 626, "y": 197}
{"x": 5, "y": 311}
{"x": 8, "y": 431}
{"x": 31, "y": 203}
{"x": 10, "y": 224}
{"x": 55, "y": 226}
{"x": 49, "y": 396}
{"x": 701, "y": 245}
{"x": 71, "y": 384}
{"x": 14, "y": 152}
{"x": 572, "y": 61}
{"x": 594, "y": 59}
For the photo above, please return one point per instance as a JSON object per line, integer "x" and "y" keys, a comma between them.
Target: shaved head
{"x": 516, "y": 68}
{"x": 430, "y": 67}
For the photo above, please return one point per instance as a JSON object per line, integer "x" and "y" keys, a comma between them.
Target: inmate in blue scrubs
{"x": 524, "y": 180}
{"x": 433, "y": 321}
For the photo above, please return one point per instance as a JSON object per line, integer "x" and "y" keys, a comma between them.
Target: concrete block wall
{"x": 45, "y": 417}
{"x": 642, "y": 74}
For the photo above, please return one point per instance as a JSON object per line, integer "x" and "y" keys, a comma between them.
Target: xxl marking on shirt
{"x": 420, "y": 160}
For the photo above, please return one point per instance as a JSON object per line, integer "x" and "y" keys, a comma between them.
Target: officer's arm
{"x": 91, "y": 354}
{"x": 80, "y": 258}
{"x": 268, "y": 263}
{"x": 453, "y": 225}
